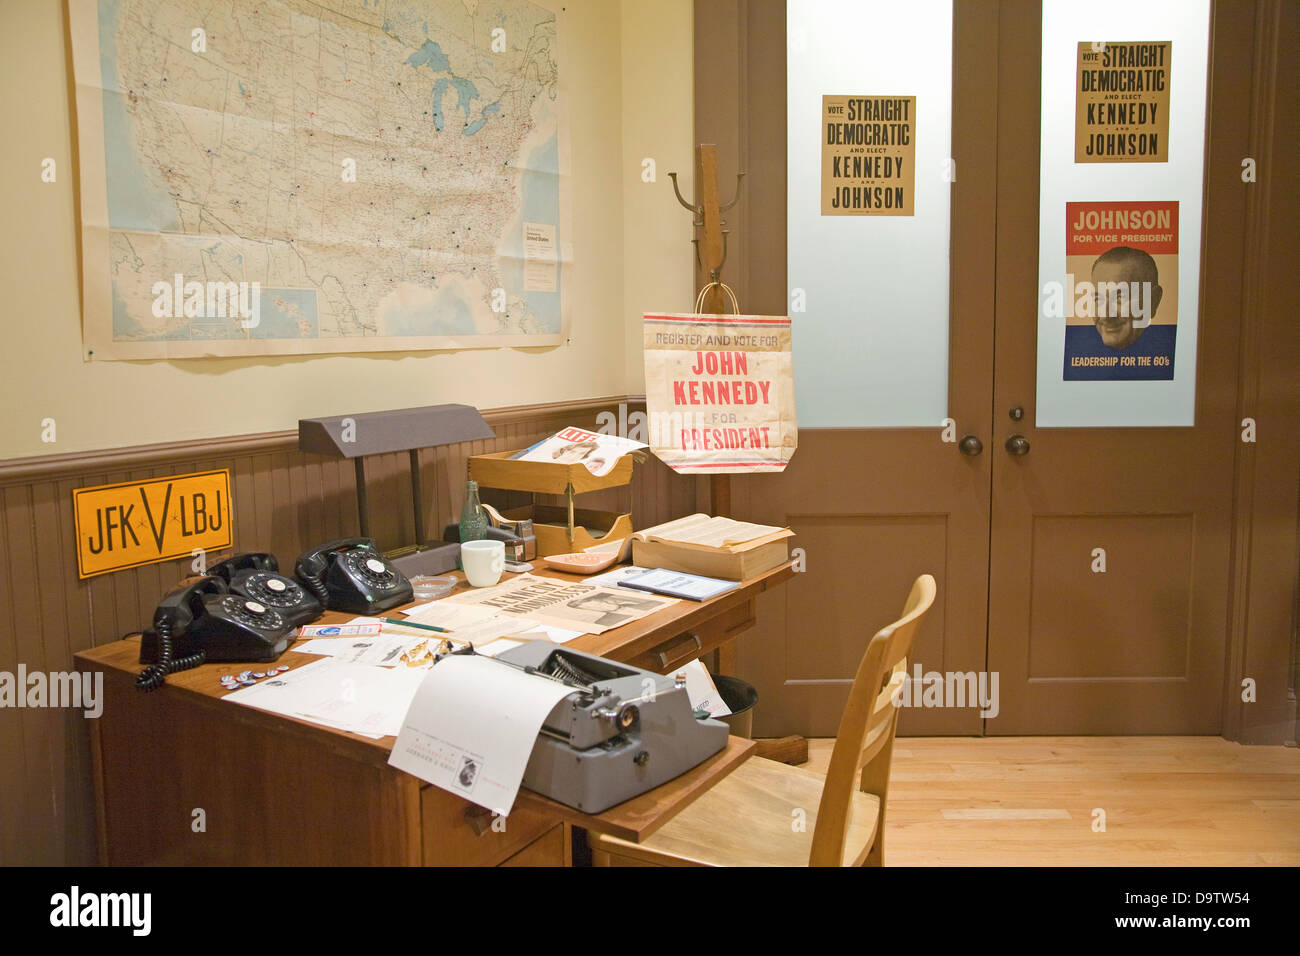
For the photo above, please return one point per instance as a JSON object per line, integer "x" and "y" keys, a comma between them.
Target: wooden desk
{"x": 183, "y": 777}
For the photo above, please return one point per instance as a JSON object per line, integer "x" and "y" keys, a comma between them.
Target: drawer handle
{"x": 744, "y": 625}
{"x": 694, "y": 643}
{"x": 479, "y": 819}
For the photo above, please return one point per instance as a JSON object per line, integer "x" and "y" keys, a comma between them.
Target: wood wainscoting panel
{"x": 863, "y": 563}
{"x": 1083, "y": 613}
{"x": 866, "y": 532}
{"x": 812, "y": 633}
{"x": 283, "y": 502}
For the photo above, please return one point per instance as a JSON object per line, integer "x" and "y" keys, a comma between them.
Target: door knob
{"x": 1018, "y": 445}
{"x": 970, "y": 446}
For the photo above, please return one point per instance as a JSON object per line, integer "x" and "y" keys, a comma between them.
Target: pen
{"x": 423, "y": 627}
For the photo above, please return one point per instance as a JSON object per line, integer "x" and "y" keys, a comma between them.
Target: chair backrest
{"x": 867, "y": 725}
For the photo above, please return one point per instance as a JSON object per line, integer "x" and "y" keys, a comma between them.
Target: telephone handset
{"x": 351, "y": 575}
{"x": 254, "y": 576}
{"x": 202, "y": 622}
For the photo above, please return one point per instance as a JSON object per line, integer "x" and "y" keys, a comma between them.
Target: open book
{"x": 700, "y": 544}
{"x": 699, "y": 531}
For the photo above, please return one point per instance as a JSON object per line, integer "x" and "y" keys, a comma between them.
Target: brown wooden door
{"x": 873, "y": 508}
{"x": 1139, "y": 647}
{"x": 1010, "y": 539}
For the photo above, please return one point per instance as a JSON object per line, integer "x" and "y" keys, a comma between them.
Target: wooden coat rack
{"x": 711, "y": 249}
{"x": 710, "y": 255}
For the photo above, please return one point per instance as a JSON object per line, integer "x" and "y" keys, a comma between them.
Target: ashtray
{"x": 430, "y": 587}
{"x": 581, "y": 562}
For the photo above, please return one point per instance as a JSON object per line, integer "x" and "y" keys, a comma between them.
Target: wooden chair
{"x": 766, "y": 813}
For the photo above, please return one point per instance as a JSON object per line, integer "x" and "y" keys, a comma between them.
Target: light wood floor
{"x": 1030, "y": 801}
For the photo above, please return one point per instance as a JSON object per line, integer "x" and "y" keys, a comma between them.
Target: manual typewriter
{"x": 621, "y": 732}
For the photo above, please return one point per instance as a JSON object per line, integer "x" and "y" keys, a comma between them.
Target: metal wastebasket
{"x": 741, "y": 698}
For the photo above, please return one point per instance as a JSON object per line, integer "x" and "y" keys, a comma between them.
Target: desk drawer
{"x": 697, "y": 641}
{"x": 547, "y": 850}
{"x": 457, "y": 833}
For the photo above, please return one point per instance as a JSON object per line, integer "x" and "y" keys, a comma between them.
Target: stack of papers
{"x": 365, "y": 683}
{"x": 366, "y": 700}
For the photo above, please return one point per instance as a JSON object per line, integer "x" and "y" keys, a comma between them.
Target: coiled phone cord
{"x": 316, "y": 587}
{"x": 153, "y": 676}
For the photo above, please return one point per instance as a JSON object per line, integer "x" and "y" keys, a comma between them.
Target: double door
{"x": 1082, "y": 554}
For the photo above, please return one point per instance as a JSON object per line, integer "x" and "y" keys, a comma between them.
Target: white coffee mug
{"x": 483, "y": 562}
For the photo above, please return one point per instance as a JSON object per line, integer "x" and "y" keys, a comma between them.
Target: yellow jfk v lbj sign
{"x": 145, "y": 522}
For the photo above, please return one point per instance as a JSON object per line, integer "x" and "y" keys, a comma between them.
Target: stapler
{"x": 518, "y": 548}
{"x": 521, "y": 528}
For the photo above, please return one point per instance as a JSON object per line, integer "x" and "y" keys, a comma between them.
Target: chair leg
{"x": 876, "y": 856}
{"x": 875, "y": 780}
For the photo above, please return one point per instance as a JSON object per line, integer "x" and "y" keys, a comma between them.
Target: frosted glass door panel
{"x": 869, "y": 292}
{"x": 1120, "y": 211}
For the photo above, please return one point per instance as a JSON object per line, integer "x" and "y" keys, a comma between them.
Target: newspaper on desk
{"x": 480, "y": 624}
{"x": 470, "y": 622}
{"x": 572, "y": 605}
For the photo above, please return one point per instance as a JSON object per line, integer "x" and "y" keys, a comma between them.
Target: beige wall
{"x": 658, "y": 124}
{"x": 627, "y": 71}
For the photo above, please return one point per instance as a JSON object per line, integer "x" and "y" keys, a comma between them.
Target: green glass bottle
{"x": 473, "y": 519}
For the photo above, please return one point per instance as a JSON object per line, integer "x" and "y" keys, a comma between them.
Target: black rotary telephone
{"x": 254, "y": 576}
{"x": 351, "y": 575}
{"x": 202, "y": 622}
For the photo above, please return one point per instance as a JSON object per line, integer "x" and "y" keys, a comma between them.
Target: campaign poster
{"x": 719, "y": 392}
{"x": 868, "y": 155}
{"x": 1121, "y": 260}
{"x": 1121, "y": 102}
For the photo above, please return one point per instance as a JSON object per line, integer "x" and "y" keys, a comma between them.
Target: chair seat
{"x": 747, "y": 819}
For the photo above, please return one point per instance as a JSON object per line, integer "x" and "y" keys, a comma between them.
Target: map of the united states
{"x": 356, "y": 174}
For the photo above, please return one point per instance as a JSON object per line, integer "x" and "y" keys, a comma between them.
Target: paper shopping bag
{"x": 720, "y": 392}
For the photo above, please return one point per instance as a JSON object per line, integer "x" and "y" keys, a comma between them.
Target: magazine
{"x": 600, "y": 453}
